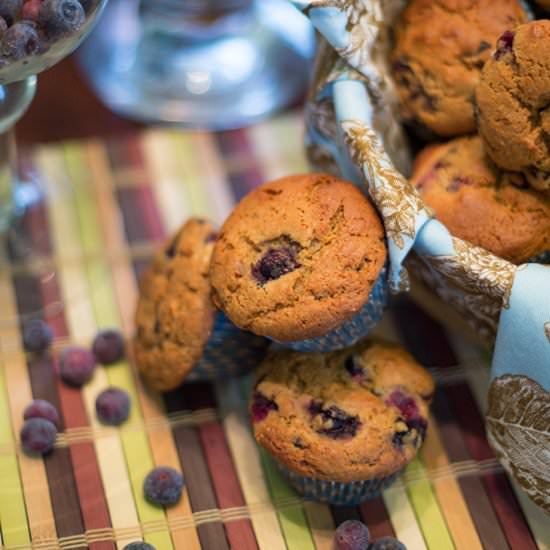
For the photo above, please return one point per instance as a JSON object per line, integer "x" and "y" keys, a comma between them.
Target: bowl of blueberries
{"x": 36, "y": 34}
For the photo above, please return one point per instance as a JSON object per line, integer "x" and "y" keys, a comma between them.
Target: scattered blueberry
{"x": 139, "y": 545}
{"x": 275, "y": 263}
{"x": 38, "y": 436}
{"x": 62, "y": 16}
{"x": 351, "y": 535}
{"x": 108, "y": 347}
{"x": 504, "y": 44}
{"x": 37, "y": 335}
{"x": 334, "y": 422}
{"x": 387, "y": 543}
{"x": 261, "y": 406}
{"x": 40, "y": 408}
{"x": 163, "y": 486}
{"x": 76, "y": 366}
{"x": 20, "y": 40}
{"x": 112, "y": 406}
{"x": 9, "y": 10}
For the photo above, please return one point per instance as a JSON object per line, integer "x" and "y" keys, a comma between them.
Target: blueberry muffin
{"x": 179, "y": 333}
{"x": 481, "y": 204}
{"x": 299, "y": 257}
{"x": 513, "y": 103}
{"x": 440, "y": 49}
{"x": 348, "y": 416}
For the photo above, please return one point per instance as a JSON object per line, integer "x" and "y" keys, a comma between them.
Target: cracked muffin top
{"x": 440, "y": 49}
{"x": 348, "y": 415}
{"x": 297, "y": 257}
{"x": 479, "y": 203}
{"x": 175, "y": 313}
{"x": 513, "y": 103}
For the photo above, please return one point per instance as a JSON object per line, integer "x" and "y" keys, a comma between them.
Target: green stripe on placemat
{"x": 426, "y": 509}
{"x": 293, "y": 519}
{"x": 135, "y": 444}
{"x": 13, "y": 517}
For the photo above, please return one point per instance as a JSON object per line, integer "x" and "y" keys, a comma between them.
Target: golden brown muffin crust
{"x": 513, "y": 103}
{"x": 478, "y": 203}
{"x": 293, "y": 389}
{"x": 440, "y": 48}
{"x": 175, "y": 314}
{"x": 329, "y": 241}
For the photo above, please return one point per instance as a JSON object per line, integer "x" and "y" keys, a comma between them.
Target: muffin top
{"x": 175, "y": 313}
{"x": 440, "y": 48}
{"x": 297, "y": 257}
{"x": 347, "y": 415}
{"x": 513, "y": 103}
{"x": 479, "y": 203}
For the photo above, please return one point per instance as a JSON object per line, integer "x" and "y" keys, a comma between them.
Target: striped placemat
{"x": 108, "y": 205}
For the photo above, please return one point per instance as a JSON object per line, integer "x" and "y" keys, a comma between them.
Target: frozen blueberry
{"x": 38, "y": 435}
{"x": 351, "y": 535}
{"x": 40, "y": 408}
{"x": 387, "y": 543}
{"x": 112, "y": 406}
{"x": 9, "y": 9}
{"x": 504, "y": 44}
{"x": 139, "y": 545}
{"x": 275, "y": 263}
{"x": 108, "y": 347}
{"x": 261, "y": 406}
{"x": 31, "y": 9}
{"x": 163, "y": 486}
{"x": 37, "y": 335}
{"x": 62, "y": 16}
{"x": 76, "y": 366}
{"x": 333, "y": 421}
{"x": 20, "y": 40}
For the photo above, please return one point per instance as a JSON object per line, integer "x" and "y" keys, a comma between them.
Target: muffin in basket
{"x": 481, "y": 204}
{"x": 341, "y": 425}
{"x": 440, "y": 48}
{"x": 180, "y": 334}
{"x": 301, "y": 260}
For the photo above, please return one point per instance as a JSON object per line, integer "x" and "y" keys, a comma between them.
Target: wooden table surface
{"x": 66, "y": 107}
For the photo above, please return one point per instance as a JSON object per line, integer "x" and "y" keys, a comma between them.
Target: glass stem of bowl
{"x": 15, "y": 99}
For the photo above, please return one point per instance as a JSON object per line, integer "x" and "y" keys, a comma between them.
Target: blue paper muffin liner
{"x": 337, "y": 493}
{"x": 229, "y": 352}
{"x": 356, "y": 328}
{"x": 543, "y": 258}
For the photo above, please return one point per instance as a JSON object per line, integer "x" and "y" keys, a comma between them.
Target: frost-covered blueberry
{"x": 20, "y": 40}
{"x": 40, "y": 408}
{"x": 275, "y": 263}
{"x": 76, "y": 366}
{"x": 9, "y": 10}
{"x": 37, "y": 335}
{"x": 387, "y": 543}
{"x": 108, "y": 346}
{"x": 163, "y": 486}
{"x": 112, "y": 406}
{"x": 351, "y": 535}
{"x": 261, "y": 407}
{"x": 139, "y": 545}
{"x": 38, "y": 436}
{"x": 62, "y": 16}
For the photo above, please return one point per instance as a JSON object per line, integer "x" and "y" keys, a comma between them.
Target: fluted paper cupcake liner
{"x": 356, "y": 328}
{"x": 337, "y": 493}
{"x": 229, "y": 352}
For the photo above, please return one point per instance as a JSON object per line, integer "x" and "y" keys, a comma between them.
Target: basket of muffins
{"x": 439, "y": 112}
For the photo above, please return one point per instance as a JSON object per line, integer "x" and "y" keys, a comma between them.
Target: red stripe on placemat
{"x": 197, "y": 478}
{"x": 497, "y": 484}
{"x": 92, "y": 501}
{"x": 235, "y": 143}
{"x": 61, "y": 483}
{"x": 427, "y": 341}
{"x": 375, "y": 515}
{"x": 221, "y": 467}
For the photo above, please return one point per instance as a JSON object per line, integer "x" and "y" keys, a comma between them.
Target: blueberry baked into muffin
{"x": 439, "y": 51}
{"x": 352, "y": 417}
{"x": 180, "y": 335}
{"x": 480, "y": 203}
{"x": 301, "y": 257}
{"x": 513, "y": 103}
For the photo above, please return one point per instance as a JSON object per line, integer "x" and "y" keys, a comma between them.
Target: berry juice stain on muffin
{"x": 261, "y": 407}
